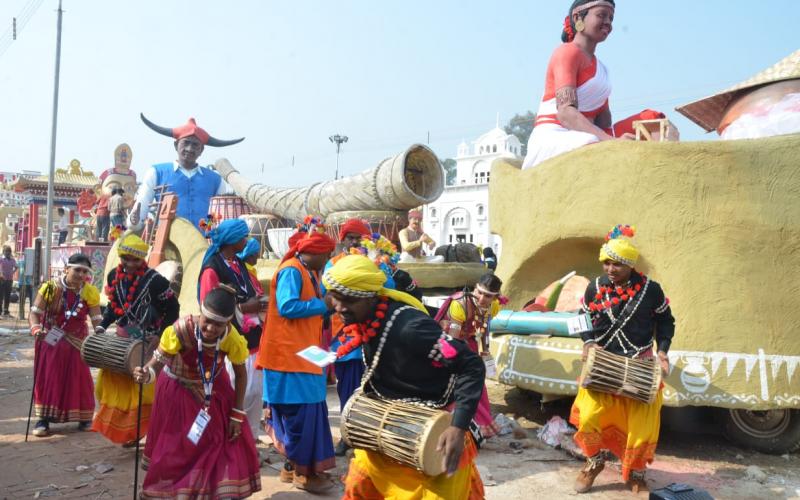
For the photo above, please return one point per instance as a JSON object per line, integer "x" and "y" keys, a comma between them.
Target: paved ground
{"x": 65, "y": 465}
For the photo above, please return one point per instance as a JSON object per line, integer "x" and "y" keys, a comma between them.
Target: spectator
{"x": 116, "y": 207}
{"x": 489, "y": 258}
{"x": 102, "y": 218}
{"x": 63, "y": 225}
{"x": 8, "y": 266}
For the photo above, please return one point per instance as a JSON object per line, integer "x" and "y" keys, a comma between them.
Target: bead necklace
{"x": 376, "y": 358}
{"x": 361, "y": 333}
{"x": 619, "y": 334}
{"x": 117, "y": 288}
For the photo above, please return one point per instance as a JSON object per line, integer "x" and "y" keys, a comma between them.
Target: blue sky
{"x": 289, "y": 74}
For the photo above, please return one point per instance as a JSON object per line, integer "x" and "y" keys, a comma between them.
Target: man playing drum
{"x": 410, "y": 359}
{"x": 626, "y": 309}
{"x": 142, "y": 304}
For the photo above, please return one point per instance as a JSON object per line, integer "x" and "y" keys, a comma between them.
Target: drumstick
{"x": 138, "y": 429}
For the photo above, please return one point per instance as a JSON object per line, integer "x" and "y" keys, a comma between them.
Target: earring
{"x": 579, "y": 25}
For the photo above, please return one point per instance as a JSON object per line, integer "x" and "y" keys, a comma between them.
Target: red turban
{"x": 354, "y": 226}
{"x": 315, "y": 243}
{"x": 295, "y": 237}
{"x": 415, "y": 213}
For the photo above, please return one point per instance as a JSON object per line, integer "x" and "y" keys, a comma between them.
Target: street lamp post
{"x": 338, "y": 140}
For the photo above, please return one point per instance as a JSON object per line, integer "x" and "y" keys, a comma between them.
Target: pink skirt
{"x": 483, "y": 416}
{"x": 64, "y": 391}
{"x": 215, "y": 467}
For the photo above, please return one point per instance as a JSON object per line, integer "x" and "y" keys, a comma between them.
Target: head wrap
{"x": 132, "y": 245}
{"x": 415, "y": 213}
{"x": 296, "y": 236}
{"x": 253, "y": 247}
{"x": 357, "y": 276}
{"x": 354, "y": 226}
{"x": 618, "y": 247}
{"x": 219, "y": 304}
{"x": 228, "y": 232}
{"x": 310, "y": 238}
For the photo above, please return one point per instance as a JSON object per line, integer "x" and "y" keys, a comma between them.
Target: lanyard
{"x": 69, "y": 312}
{"x": 311, "y": 276}
{"x": 241, "y": 281}
{"x": 207, "y": 378}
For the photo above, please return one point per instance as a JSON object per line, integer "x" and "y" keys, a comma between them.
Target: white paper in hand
{"x": 318, "y": 356}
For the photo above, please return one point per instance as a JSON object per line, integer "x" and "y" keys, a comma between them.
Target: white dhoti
{"x": 253, "y": 402}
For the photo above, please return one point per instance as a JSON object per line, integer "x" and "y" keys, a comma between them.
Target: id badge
{"x": 199, "y": 426}
{"x": 53, "y": 336}
{"x": 491, "y": 366}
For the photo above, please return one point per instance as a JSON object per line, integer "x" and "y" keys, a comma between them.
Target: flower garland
{"x": 116, "y": 232}
{"x": 133, "y": 277}
{"x": 380, "y": 250}
{"x": 610, "y": 296}
{"x": 361, "y": 333}
{"x": 210, "y": 222}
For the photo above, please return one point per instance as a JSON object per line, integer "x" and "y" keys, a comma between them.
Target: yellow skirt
{"x": 626, "y": 427}
{"x": 373, "y": 476}
{"x": 118, "y": 395}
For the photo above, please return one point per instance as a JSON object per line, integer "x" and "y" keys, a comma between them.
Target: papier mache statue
{"x": 193, "y": 184}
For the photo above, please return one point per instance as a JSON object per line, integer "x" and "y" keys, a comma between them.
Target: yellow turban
{"x": 358, "y": 276}
{"x": 618, "y": 247}
{"x": 132, "y": 246}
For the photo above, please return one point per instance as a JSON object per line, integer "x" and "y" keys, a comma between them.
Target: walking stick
{"x": 33, "y": 388}
{"x": 138, "y": 430}
{"x": 35, "y": 359}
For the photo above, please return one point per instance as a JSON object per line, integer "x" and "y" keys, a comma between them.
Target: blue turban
{"x": 253, "y": 247}
{"x": 228, "y": 232}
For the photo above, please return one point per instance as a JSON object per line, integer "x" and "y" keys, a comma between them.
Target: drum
{"x": 614, "y": 374}
{"x": 259, "y": 224}
{"x": 402, "y": 431}
{"x": 106, "y": 350}
{"x": 228, "y": 206}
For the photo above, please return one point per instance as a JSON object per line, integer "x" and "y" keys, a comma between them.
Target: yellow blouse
{"x": 456, "y": 310}
{"x": 233, "y": 344}
{"x": 90, "y": 294}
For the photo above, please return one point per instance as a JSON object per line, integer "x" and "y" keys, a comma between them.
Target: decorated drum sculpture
{"x": 119, "y": 354}
{"x": 228, "y": 206}
{"x": 403, "y": 431}
{"x": 614, "y": 374}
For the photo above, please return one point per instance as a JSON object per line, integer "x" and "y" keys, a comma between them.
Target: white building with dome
{"x": 461, "y": 214}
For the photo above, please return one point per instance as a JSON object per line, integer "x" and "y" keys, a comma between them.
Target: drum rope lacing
{"x": 376, "y": 358}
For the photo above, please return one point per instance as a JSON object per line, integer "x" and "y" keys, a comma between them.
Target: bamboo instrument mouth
{"x": 422, "y": 174}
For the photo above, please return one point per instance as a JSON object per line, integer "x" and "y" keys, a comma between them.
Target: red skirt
{"x": 215, "y": 467}
{"x": 64, "y": 391}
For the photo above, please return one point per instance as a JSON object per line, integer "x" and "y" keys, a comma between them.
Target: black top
{"x": 153, "y": 308}
{"x": 641, "y": 317}
{"x": 412, "y": 365}
{"x": 242, "y": 283}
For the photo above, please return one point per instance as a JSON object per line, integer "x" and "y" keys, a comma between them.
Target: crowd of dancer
{"x": 211, "y": 382}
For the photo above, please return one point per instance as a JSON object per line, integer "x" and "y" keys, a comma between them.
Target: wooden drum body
{"x": 228, "y": 206}
{"x": 119, "y": 354}
{"x": 402, "y": 431}
{"x": 637, "y": 379}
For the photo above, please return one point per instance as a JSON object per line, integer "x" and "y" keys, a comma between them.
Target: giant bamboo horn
{"x": 404, "y": 181}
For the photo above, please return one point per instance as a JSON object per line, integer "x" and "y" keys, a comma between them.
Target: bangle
{"x": 36, "y": 310}
{"x": 35, "y": 329}
{"x": 99, "y": 329}
{"x": 151, "y": 375}
{"x": 236, "y": 419}
{"x": 240, "y": 412}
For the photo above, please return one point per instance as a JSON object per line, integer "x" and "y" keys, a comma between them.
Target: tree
{"x": 449, "y": 166}
{"x": 521, "y": 126}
